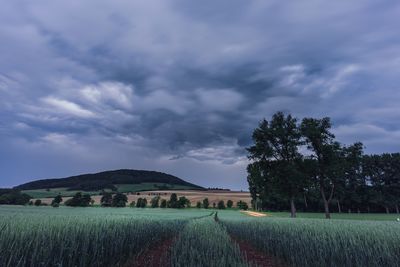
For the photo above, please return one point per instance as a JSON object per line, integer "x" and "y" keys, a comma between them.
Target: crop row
{"x": 203, "y": 242}
{"x": 78, "y": 241}
{"x": 308, "y": 242}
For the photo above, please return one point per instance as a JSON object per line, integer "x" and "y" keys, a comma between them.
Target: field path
{"x": 254, "y": 213}
{"x": 155, "y": 256}
{"x": 256, "y": 257}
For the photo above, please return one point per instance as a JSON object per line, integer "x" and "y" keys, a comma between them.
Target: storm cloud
{"x": 178, "y": 86}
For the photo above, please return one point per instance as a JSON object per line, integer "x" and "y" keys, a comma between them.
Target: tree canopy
{"x": 302, "y": 165}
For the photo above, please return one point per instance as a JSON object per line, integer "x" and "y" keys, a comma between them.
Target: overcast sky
{"x": 178, "y": 86}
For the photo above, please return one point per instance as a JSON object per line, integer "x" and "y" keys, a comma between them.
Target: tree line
{"x": 300, "y": 165}
{"x": 120, "y": 200}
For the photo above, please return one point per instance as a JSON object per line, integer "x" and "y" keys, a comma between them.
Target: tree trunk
{"x": 326, "y": 203}
{"x": 292, "y": 208}
{"x": 349, "y": 211}
{"x": 305, "y": 201}
{"x": 358, "y": 210}
{"x": 339, "y": 208}
{"x": 368, "y": 209}
{"x": 387, "y": 209}
{"x": 397, "y": 209}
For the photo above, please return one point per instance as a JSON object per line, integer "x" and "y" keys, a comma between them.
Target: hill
{"x": 117, "y": 180}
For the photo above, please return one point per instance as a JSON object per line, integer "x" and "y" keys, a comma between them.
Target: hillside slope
{"x": 110, "y": 180}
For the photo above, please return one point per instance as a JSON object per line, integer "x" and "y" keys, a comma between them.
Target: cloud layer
{"x": 178, "y": 86}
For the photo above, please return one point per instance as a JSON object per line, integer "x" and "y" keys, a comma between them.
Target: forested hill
{"x": 108, "y": 180}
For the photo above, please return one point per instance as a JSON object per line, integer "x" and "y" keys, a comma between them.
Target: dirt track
{"x": 254, "y": 214}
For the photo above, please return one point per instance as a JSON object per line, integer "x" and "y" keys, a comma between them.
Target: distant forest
{"x": 301, "y": 166}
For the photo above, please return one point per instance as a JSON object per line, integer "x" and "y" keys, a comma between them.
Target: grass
{"x": 340, "y": 216}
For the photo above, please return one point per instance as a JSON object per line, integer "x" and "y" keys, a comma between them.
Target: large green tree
{"x": 276, "y": 154}
{"x": 383, "y": 172}
{"x": 327, "y": 153}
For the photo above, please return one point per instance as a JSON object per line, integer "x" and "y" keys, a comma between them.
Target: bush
{"x": 229, "y": 204}
{"x": 242, "y": 205}
{"x": 221, "y": 205}
{"x": 163, "y": 203}
{"x": 133, "y": 204}
{"x": 79, "y": 200}
{"x": 12, "y": 197}
{"x": 56, "y": 201}
{"x": 173, "y": 201}
{"x": 155, "y": 202}
{"x": 141, "y": 203}
{"x": 198, "y": 205}
{"x": 38, "y": 202}
{"x": 183, "y": 202}
{"x": 106, "y": 199}
{"x": 206, "y": 203}
{"x": 119, "y": 200}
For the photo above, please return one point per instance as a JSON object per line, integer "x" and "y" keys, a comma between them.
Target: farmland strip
{"x": 316, "y": 242}
{"x": 204, "y": 242}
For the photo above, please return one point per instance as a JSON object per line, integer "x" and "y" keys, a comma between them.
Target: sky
{"x": 178, "y": 86}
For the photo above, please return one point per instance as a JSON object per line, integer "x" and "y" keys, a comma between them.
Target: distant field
{"x": 123, "y": 188}
{"x": 192, "y": 195}
{"x": 51, "y": 193}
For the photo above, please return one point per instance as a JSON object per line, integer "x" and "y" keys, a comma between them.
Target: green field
{"x": 123, "y": 188}
{"x": 46, "y": 236}
{"x": 45, "y": 193}
{"x": 340, "y": 216}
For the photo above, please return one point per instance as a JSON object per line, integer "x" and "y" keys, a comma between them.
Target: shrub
{"x": 163, "y": 203}
{"x": 173, "y": 201}
{"x": 229, "y": 204}
{"x": 133, "y": 204}
{"x": 119, "y": 200}
{"x": 221, "y": 205}
{"x": 12, "y": 197}
{"x": 206, "y": 203}
{"x": 56, "y": 201}
{"x": 141, "y": 203}
{"x": 79, "y": 200}
{"x": 106, "y": 199}
{"x": 198, "y": 205}
{"x": 183, "y": 202}
{"x": 242, "y": 205}
{"x": 155, "y": 202}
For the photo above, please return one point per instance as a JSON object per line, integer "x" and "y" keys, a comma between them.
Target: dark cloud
{"x": 178, "y": 86}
